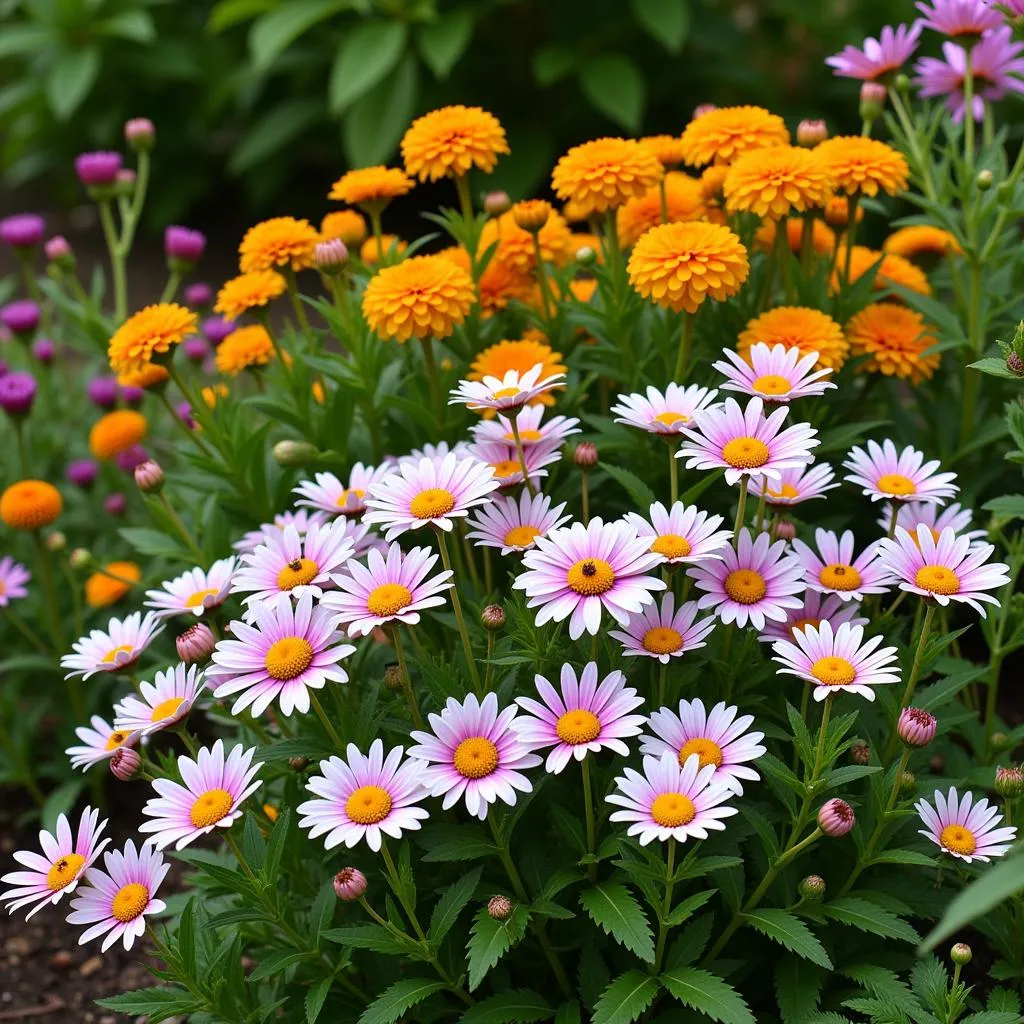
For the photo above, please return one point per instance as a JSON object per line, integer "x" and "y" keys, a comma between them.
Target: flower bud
{"x": 131, "y": 395}
{"x": 183, "y": 248}
{"x": 295, "y": 453}
{"x": 140, "y": 134}
{"x": 349, "y": 884}
{"x": 531, "y": 214}
{"x": 496, "y": 203}
{"x": 199, "y": 294}
{"x": 56, "y": 541}
{"x": 216, "y": 329}
{"x": 785, "y": 529}
{"x": 331, "y": 256}
{"x": 703, "y": 108}
{"x": 812, "y": 887}
{"x": 837, "y": 212}
{"x": 499, "y": 908}
{"x": 59, "y": 253}
{"x": 149, "y": 477}
{"x": 393, "y": 678}
{"x": 872, "y": 100}
{"x": 861, "y": 753}
{"x": 961, "y": 954}
{"x": 586, "y": 256}
{"x": 196, "y": 644}
{"x": 493, "y": 617}
{"x": 115, "y": 504}
{"x": 196, "y": 349}
{"x": 809, "y": 133}
{"x": 1000, "y": 741}
{"x": 44, "y": 350}
{"x": 98, "y": 172}
{"x": 22, "y": 231}
{"x": 125, "y": 764}
{"x": 1009, "y": 782}
{"x": 80, "y": 559}
{"x": 916, "y": 727}
{"x": 586, "y": 455}
{"x": 1015, "y": 364}
{"x": 17, "y": 394}
{"x": 103, "y": 392}
{"x": 836, "y": 818}
{"x": 907, "y": 782}
{"x": 983, "y": 181}
{"x": 130, "y": 458}
{"x": 21, "y": 318}
{"x": 298, "y": 764}
{"x": 901, "y": 83}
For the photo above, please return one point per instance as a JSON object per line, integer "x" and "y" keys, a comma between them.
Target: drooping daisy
{"x": 503, "y": 460}
{"x": 682, "y": 535}
{"x": 577, "y": 571}
{"x": 814, "y": 609}
{"x": 114, "y": 649}
{"x": 163, "y": 703}
{"x": 429, "y": 493}
{"x": 953, "y": 517}
{"x": 965, "y": 828}
{"x": 839, "y": 661}
{"x": 14, "y": 576}
{"x": 327, "y": 493}
{"x": 667, "y": 801}
{"x": 888, "y": 475}
{"x": 289, "y": 650}
{"x": 64, "y": 860}
{"x": 507, "y": 393}
{"x": 193, "y": 592}
{"x": 364, "y": 796}
{"x": 662, "y": 632}
{"x": 533, "y": 429}
{"x": 115, "y": 902}
{"x": 100, "y": 740}
{"x": 753, "y": 582}
{"x": 514, "y": 524}
{"x": 668, "y": 412}
{"x": 215, "y": 787}
{"x": 389, "y": 588}
{"x": 474, "y": 753}
{"x": 832, "y": 569}
{"x": 793, "y": 486}
{"x": 775, "y": 373}
{"x": 584, "y": 717}
{"x": 880, "y": 58}
{"x": 718, "y": 738}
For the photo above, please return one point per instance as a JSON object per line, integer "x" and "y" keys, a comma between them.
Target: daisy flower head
{"x": 514, "y": 524}
{"x": 161, "y": 704}
{"x": 832, "y": 569}
{"x": 115, "y": 902}
{"x": 814, "y": 609}
{"x": 754, "y": 582}
{"x": 877, "y": 59}
{"x": 953, "y": 517}
{"x": 326, "y": 493}
{"x": 193, "y": 592}
{"x": 99, "y": 741}
{"x": 802, "y": 483}
{"x": 774, "y": 373}
{"x": 13, "y": 577}
{"x": 473, "y": 753}
{"x": 807, "y": 330}
{"x": 434, "y": 452}
{"x": 577, "y": 572}
{"x": 113, "y": 649}
{"x": 451, "y": 141}
{"x": 507, "y": 393}
{"x": 837, "y": 661}
{"x": 581, "y": 717}
{"x": 64, "y": 859}
{"x": 963, "y": 827}
{"x": 958, "y": 18}
{"x": 777, "y": 181}
{"x": 722, "y": 135}
{"x": 682, "y": 535}
{"x": 532, "y": 427}
{"x": 522, "y": 355}
{"x": 717, "y": 738}
{"x": 888, "y": 475}
{"x": 667, "y": 412}
{"x": 669, "y": 801}
{"x": 603, "y": 174}
{"x": 503, "y": 460}
{"x": 290, "y": 649}
{"x": 364, "y": 797}
{"x": 301, "y": 519}
{"x": 662, "y": 632}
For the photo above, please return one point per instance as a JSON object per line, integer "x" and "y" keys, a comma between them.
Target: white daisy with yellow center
{"x": 194, "y": 592}
{"x": 114, "y": 649}
{"x": 161, "y": 704}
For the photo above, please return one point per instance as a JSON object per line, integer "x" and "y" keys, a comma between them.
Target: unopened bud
{"x": 295, "y": 453}
{"x": 349, "y": 884}
{"x": 196, "y": 644}
{"x": 961, "y": 954}
{"x": 901, "y": 83}
{"x": 785, "y": 529}
{"x": 56, "y": 541}
{"x": 149, "y": 477}
{"x": 531, "y": 214}
{"x": 393, "y": 678}
{"x": 703, "y": 108}
{"x": 496, "y": 203}
{"x": 907, "y": 782}
{"x": 1000, "y": 741}
{"x": 836, "y": 818}
{"x": 861, "y": 753}
{"x": 837, "y": 212}
{"x": 140, "y": 134}
{"x": 983, "y": 181}
{"x": 59, "y": 252}
{"x": 586, "y": 455}
{"x": 115, "y": 504}
{"x": 499, "y": 908}
{"x": 872, "y": 100}
{"x": 330, "y": 256}
{"x": 80, "y": 559}
{"x": 125, "y": 764}
{"x": 493, "y": 617}
{"x": 916, "y": 727}
{"x": 809, "y": 133}
{"x": 1015, "y": 364}
{"x": 298, "y": 764}
{"x": 812, "y": 887}
{"x": 586, "y": 256}
{"x": 1009, "y": 782}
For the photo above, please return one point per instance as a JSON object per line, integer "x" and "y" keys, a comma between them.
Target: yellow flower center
{"x": 388, "y": 599}
{"x": 745, "y": 586}
{"x": 958, "y": 839}
{"x": 771, "y": 384}
{"x": 210, "y": 807}
{"x": 433, "y": 502}
{"x": 785, "y": 491}
{"x": 591, "y": 576}
{"x": 833, "y": 671}
{"x": 670, "y": 419}
{"x": 521, "y": 536}
{"x": 663, "y": 640}
{"x": 506, "y": 393}
{"x": 671, "y": 545}
{"x": 895, "y": 483}
{"x": 64, "y": 871}
{"x": 503, "y": 470}
{"x": 839, "y": 577}
{"x": 803, "y": 624}
{"x": 201, "y": 595}
{"x": 476, "y": 757}
{"x": 343, "y": 498}
{"x": 917, "y": 543}
{"x": 670, "y": 810}
{"x": 166, "y": 708}
{"x": 524, "y": 435}
{"x": 937, "y": 579}
{"x": 707, "y": 750}
{"x": 578, "y": 726}
{"x": 115, "y": 739}
{"x": 111, "y": 655}
{"x": 368, "y": 804}
{"x": 746, "y": 453}
{"x": 288, "y": 657}
{"x": 129, "y": 901}
{"x": 297, "y": 573}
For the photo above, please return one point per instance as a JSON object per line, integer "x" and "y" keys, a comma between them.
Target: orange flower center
{"x": 671, "y": 545}
{"x": 771, "y": 384}
{"x": 476, "y": 757}
{"x": 937, "y": 579}
{"x": 115, "y": 739}
{"x": 663, "y": 640}
{"x": 958, "y": 839}
{"x": 832, "y": 671}
{"x": 746, "y": 453}
{"x": 591, "y": 576}
{"x": 297, "y": 573}
{"x": 670, "y": 810}
{"x": 578, "y": 726}
{"x": 200, "y": 596}
{"x": 503, "y": 470}
{"x": 839, "y": 577}
{"x": 166, "y": 708}
{"x": 288, "y": 657}
{"x": 64, "y": 871}
{"x": 129, "y": 901}
{"x": 896, "y": 483}
{"x": 355, "y": 494}
{"x": 368, "y": 804}
{"x": 506, "y": 393}
{"x": 521, "y": 536}
{"x": 799, "y": 624}
{"x": 210, "y": 807}
{"x": 524, "y": 436}
{"x": 670, "y": 419}
{"x": 785, "y": 491}
{"x": 388, "y": 599}
{"x": 707, "y": 750}
{"x": 112, "y": 654}
{"x": 431, "y": 503}
{"x": 745, "y": 586}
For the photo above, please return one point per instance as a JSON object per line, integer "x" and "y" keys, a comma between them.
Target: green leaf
{"x": 798, "y": 987}
{"x": 1004, "y": 999}
{"x": 69, "y": 80}
{"x": 910, "y": 857}
{"x": 279, "y": 126}
{"x": 992, "y": 1017}
{"x": 454, "y": 842}
{"x": 162, "y": 1002}
{"x": 791, "y": 932}
{"x": 490, "y": 940}
{"x": 315, "y": 999}
{"x": 638, "y": 491}
{"x": 451, "y": 904}
{"x": 520, "y": 1005}
{"x": 368, "y": 936}
{"x": 849, "y": 773}
{"x": 869, "y": 918}
{"x": 551, "y": 63}
{"x": 134, "y": 24}
{"x": 231, "y": 12}
{"x": 691, "y": 942}
{"x": 994, "y": 368}
{"x": 272, "y": 33}
{"x": 570, "y": 1013}
{"x": 667, "y": 21}
{"x": 626, "y": 998}
{"x": 1007, "y": 506}
{"x": 615, "y": 87}
{"x": 689, "y": 906}
{"x": 708, "y": 994}
{"x": 442, "y": 42}
{"x": 369, "y": 53}
{"x": 393, "y": 1002}
{"x": 277, "y": 962}
{"x": 614, "y": 908}
{"x": 23, "y": 39}
{"x": 376, "y": 121}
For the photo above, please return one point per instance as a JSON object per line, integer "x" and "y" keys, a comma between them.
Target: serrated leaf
{"x": 520, "y": 1005}
{"x": 869, "y": 918}
{"x": 315, "y": 998}
{"x": 690, "y": 944}
{"x": 708, "y": 994}
{"x": 626, "y": 998}
{"x": 614, "y": 908}
{"x": 155, "y": 1001}
{"x": 992, "y": 1017}
{"x": 490, "y": 940}
{"x": 850, "y": 773}
{"x": 451, "y": 904}
{"x": 667, "y": 21}
{"x": 1004, "y": 999}
{"x": 791, "y": 932}
{"x": 798, "y": 985}
{"x": 393, "y": 1002}
{"x": 367, "y": 56}
{"x": 454, "y": 842}
{"x": 689, "y": 907}
{"x": 274, "y": 963}
{"x": 640, "y": 494}
{"x": 367, "y": 936}
{"x": 569, "y": 1013}
{"x": 910, "y": 857}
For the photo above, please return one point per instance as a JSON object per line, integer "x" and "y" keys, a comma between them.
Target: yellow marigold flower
{"x": 371, "y": 186}
{"x": 720, "y": 136}
{"x": 116, "y": 432}
{"x": 278, "y": 242}
{"x": 241, "y": 293}
{"x": 101, "y": 590}
{"x": 922, "y": 240}
{"x": 893, "y": 269}
{"x": 807, "y": 330}
{"x": 521, "y": 355}
{"x": 147, "y": 377}
{"x": 681, "y": 265}
{"x": 244, "y": 348}
{"x": 30, "y": 505}
{"x": 604, "y": 174}
{"x": 712, "y": 182}
{"x": 499, "y": 283}
{"x": 348, "y": 225}
{"x": 391, "y": 244}
{"x": 666, "y": 149}
{"x": 452, "y": 141}
{"x": 213, "y": 393}
{"x": 837, "y": 212}
{"x": 574, "y": 213}
{"x": 863, "y": 165}
{"x": 422, "y": 297}
{"x": 515, "y": 245}
{"x": 776, "y": 181}
{"x": 583, "y": 288}
{"x": 684, "y": 200}
{"x": 895, "y": 339}
{"x": 150, "y": 332}
{"x": 823, "y": 238}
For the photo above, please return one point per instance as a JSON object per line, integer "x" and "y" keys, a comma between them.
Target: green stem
{"x": 662, "y": 672}
{"x": 663, "y": 927}
{"x": 19, "y": 434}
{"x": 433, "y": 382}
{"x": 181, "y": 528}
{"x": 685, "y": 344}
{"x": 968, "y": 118}
{"x": 585, "y": 495}
{"x": 399, "y": 890}
{"x": 297, "y": 305}
{"x": 547, "y": 302}
{"x": 912, "y": 679}
{"x": 588, "y": 806}
{"x": 26, "y": 631}
{"x": 117, "y": 271}
{"x": 52, "y": 602}
{"x": 465, "y": 200}
{"x": 741, "y": 509}
{"x": 171, "y": 288}
{"x": 325, "y": 721}
{"x": 923, "y": 167}
{"x": 467, "y": 645}
{"x": 851, "y": 233}
{"x": 378, "y": 235}
{"x": 514, "y": 420}
{"x": 673, "y": 473}
{"x": 403, "y": 669}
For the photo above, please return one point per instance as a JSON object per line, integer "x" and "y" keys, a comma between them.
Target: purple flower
{"x": 22, "y": 230}
{"x": 44, "y": 350}
{"x": 131, "y": 395}
{"x": 960, "y": 17}
{"x": 115, "y": 504}
{"x": 17, "y": 393}
{"x": 216, "y": 329}
{"x": 879, "y": 58}
{"x": 131, "y": 457}
{"x": 82, "y": 473}
{"x": 183, "y": 245}
{"x": 21, "y": 316}
{"x": 196, "y": 349}
{"x": 58, "y": 250}
{"x": 102, "y": 391}
{"x": 139, "y": 133}
{"x": 184, "y": 411}
{"x": 98, "y": 168}
{"x": 199, "y": 294}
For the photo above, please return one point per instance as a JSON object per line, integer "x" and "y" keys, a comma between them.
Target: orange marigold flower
{"x": 348, "y": 225}
{"x": 391, "y": 244}
{"x": 684, "y": 200}
{"x": 150, "y": 332}
{"x": 807, "y": 330}
{"x": 896, "y": 340}
{"x": 116, "y": 432}
{"x": 681, "y": 265}
{"x": 371, "y": 186}
{"x": 452, "y": 141}
{"x": 30, "y": 505}
{"x": 574, "y": 213}
{"x": 604, "y": 174}
{"x": 721, "y": 135}
{"x": 278, "y": 242}
{"x": 241, "y": 293}
{"x": 521, "y": 355}
{"x": 892, "y": 269}
{"x": 244, "y": 348}
{"x": 776, "y": 181}
{"x": 922, "y": 240}
{"x": 863, "y": 165}
{"x": 823, "y": 238}
{"x": 499, "y": 283}
{"x": 515, "y": 245}
{"x": 712, "y": 182}
{"x": 421, "y": 297}
{"x": 101, "y": 590}
{"x": 531, "y": 214}
{"x": 147, "y": 377}
{"x": 837, "y": 212}
{"x": 583, "y": 288}
{"x": 666, "y": 149}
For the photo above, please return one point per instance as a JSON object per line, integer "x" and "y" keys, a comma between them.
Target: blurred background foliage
{"x": 264, "y": 101}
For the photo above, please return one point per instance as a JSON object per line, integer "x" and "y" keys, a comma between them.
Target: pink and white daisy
{"x": 326, "y": 493}
{"x": 578, "y": 571}
{"x": 533, "y": 428}
{"x": 434, "y": 452}
{"x": 814, "y": 609}
{"x": 503, "y": 461}
{"x": 394, "y": 588}
{"x": 832, "y": 569}
{"x": 193, "y": 592}
{"x": 99, "y": 741}
{"x": 888, "y": 475}
{"x": 474, "y": 754}
{"x": 792, "y": 486}
{"x": 668, "y": 412}
{"x": 115, "y": 902}
{"x": 429, "y": 493}
{"x": 662, "y": 632}
{"x": 13, "y": 577}
{"x": 774, "y": 373}
{"x": 215, "y": 787}
{"x": 718, "y": 738}
{"x": 947, "y": 569}
{"x": 837, "y": 662}
{"x": 584, "y": 718}
{"x": 953, "y": 517}
{"x": 753, "y": 582}
{"x": 514, "y": 524}
{"x": 960, "y": 17}
{"x": 163, "y": 703}
{"x": 364, "y": 796}
{"x": 682, "y": 535}
{"x": 302, "y": 519}
{"x": 507, "y": 393}
{"x": 965, "y": 828}
{"x": 671, "y": 802}
{"x": 289, "y": 650}
{"x": 64, "y": 860}
{"x": 746, "y": 443}
{"x": 878, "y": 59}
{"x": 114, "y": 649}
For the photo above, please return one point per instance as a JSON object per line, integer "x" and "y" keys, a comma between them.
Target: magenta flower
{"x": 98, "y": 168}
{"x": 183, "y": 245}
{"x": 20, "y": 316}
{"x": 22, "y": 230}
{"x": 959, "y": 17}
{"x": 965, "y": 828}
{"x": 216, "y": 329}
{"x": 878, "y": 59}
{"x": 199, "y": 294}
{"x": 17, "y": 393}
{"x": 832, "y": 569}
{"x": 13, "y": 577}
{"x": 102, "y": 391}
